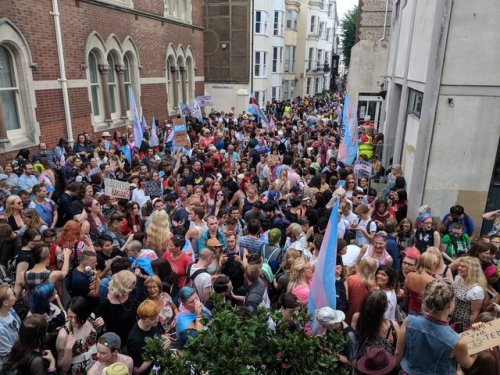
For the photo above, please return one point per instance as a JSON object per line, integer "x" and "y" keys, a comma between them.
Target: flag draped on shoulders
{"x": 323, "y": 292}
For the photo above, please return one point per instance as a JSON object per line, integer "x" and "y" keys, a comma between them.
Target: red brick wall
{"x": 78, "y": 20}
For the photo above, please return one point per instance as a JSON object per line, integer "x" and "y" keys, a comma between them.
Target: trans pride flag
{"x": 153, "y": 139}
{"x": 136, "y": 122}
{"x": 254, "y": 109}
{"x": 323, "y": 291}
{"x": 348, "y": 147}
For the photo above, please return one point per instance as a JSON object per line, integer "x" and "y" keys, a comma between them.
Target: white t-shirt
{"x": 361, "y": 239}
{"x": 342, "y": 226}
{"x": 202, "y": 280}
{"x": 352, "y": 218}
{"x": 390, "y": 313}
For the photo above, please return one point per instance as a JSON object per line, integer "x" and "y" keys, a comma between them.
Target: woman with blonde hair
{"x": 158, "y": 232}
{"x": 301, "y": 274}
{"x": 13, "y": 208}
{"x": 119, "y": 308}
{"x": 282, "y": 278}
{"x": 31, "y": 219}
{"x": 416, "y": 282}
{"x": 470, "y": 286}
{"x": 443, "y": 270}
{"x": 358, "y": 285}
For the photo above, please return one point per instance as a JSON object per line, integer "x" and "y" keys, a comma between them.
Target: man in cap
{"x": 109, "y": 356}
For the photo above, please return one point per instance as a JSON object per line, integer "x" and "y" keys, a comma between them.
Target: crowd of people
{"x": 87, "y": 277}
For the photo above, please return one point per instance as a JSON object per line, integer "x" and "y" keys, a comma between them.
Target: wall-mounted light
{"x": 451, "y": 103}
{"x": 223, "y": 45}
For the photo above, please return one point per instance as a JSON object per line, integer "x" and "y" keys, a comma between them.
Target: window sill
{"x": 16, "y": 143}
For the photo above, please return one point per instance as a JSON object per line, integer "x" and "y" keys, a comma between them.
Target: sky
{"x": 343, "y": 6}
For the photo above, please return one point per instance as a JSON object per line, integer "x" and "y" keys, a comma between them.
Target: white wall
{"x": 226, "y": 96}
{"x": 409, "y": 147}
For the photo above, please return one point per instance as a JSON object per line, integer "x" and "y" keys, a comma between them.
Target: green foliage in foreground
{"x": 238, "y": 343}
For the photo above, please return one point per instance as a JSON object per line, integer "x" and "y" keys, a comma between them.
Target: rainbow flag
{"x": 323, "y": 291}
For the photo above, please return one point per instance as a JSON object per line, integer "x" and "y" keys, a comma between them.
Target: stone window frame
{"x": 180, "y": 10}
{"x": 180, "y": 68}
{"x": 12, "y": 38}
{"x": 101, "y": 50}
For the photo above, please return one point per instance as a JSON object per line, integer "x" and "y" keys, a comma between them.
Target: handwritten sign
{"x": 485, "y": 338}
{"x": 180, "y": 133}
{"x": 205, "y": 101}
{"x": 153, "y": 188}
{"x": 115, "y": 188}
{"x": 363, "y": 168}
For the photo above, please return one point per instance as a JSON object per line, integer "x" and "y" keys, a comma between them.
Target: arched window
{"x": 95, "y": 85}
{"x": 180, "y": 84}
{"x": 127, "y": 78}
{"x": 9, "y": 90}
{"x": 170, "y": 82}
{"x": 114, "y": 100}
{"x": 189, "y": 80}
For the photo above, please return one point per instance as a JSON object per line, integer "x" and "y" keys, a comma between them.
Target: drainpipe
{"x": 252, "y": 45}
{"x": 385, "y": 19}
{"x": 62, "y": 70}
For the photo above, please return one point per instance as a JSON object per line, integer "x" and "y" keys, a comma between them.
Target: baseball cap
{"x": 111, "y": 340}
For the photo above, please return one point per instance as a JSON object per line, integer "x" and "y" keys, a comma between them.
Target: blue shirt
{"x": 26, "y": 182}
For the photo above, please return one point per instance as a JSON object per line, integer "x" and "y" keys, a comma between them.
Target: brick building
{"x": 106, "y": 46}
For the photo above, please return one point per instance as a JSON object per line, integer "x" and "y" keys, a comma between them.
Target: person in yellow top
{"x": 365, "y": 145}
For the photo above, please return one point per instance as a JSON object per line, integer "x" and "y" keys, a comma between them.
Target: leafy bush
{"x": 237, "y": 343}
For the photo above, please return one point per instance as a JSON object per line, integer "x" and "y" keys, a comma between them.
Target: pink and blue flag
{"x": 348, "y": 147}
{"x": 323, "y": 291}
{"x": 153, "y": 139}
{"x": 136, "y": 122}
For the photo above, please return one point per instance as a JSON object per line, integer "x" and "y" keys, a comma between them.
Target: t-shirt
{"x": 361, "y": 239}
{"x": 456, "y": 246}
{"x": 202, "y": 281}
{"x": 102, "y": 258}
{"x": 179, "y": 265}
{"x": 252, "y": 244}
{"x": 137, "y": 340}
{"x": 46, "y": 209}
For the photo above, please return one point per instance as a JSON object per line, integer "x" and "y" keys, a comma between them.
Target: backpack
{"x": 190, "y": 278}
{"x": 272, "y": 266}
{"x": 68, "y": 282}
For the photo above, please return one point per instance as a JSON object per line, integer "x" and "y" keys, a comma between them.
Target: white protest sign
{"x": 362, "y": 168}
{"x": 94, "y": 171}
{"x": 205, "y": 101}
{"x": 115, "y": 188}
{"x": 481, "y": 339}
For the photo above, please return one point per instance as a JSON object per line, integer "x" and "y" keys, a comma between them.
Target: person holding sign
{"x": 426, "y": 343}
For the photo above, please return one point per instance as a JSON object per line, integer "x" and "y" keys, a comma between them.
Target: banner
{"x": 184, "y": 109}
{"x": 153, "y": 188}
{"x": 363, "y": 168}
{"x": 348, "y": 147}
{"x": 94, "y": 171}
{"x": 116, "y": 188}
{"x": 205, "y": 101}
{"x": 196, "y": 111}
{"x": 180, "y": 133}
{"x": 482, "y": 339}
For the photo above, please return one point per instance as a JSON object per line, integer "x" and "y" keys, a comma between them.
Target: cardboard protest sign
{"x": 362, "y": 168}
{"x": 180, "y": 133}
{"x": 153, "y": 188}
{"x": 485, "y": 338}
{"x": 205, "y": 101}
{"x": 115, "y": 188}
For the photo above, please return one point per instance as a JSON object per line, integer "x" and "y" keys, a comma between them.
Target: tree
{"x": 348, "y": 33}
{"x": 237, "y": 343}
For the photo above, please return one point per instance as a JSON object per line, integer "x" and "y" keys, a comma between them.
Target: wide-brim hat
{"x": 376, "y": 361}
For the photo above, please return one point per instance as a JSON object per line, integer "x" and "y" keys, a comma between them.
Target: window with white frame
{"x": 330, "y": 10}
{"x": 275, "y": 93}
{"x": 289, "y": 64}
{"x": 171, "y": 100}
{"x": 114, "y": 100}
{"x": 316, "y": 85}
{"x": 310, "y": 60}
{"x": 291, "y": 20}
{"x": 95, "y": 85}
{"x": 322, "y": 4}
{"x": 277, "y": 56}
{"x": 260, "y": 22}
{"x": 180, "y": 83}
{"x": 308, "y": 86}
{"x": 260, "y": 96}
{"x": 319, "y": 59}
{"x": 9, "y": 91}
{"x": 189, "y": 80}
{"x": 415, "y": 103}
{"x": 321, "y": 29}
{"x": 127, "y": 78}
{"x": 260, "y": 64}
{"x": 328, "y": 33}
{"x": 327, "y": 58}
{"x": 312, "y": 26}
{"x": 278, "y": 23}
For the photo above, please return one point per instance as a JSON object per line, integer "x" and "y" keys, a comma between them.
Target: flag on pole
{"x": 128, "y": 154}
{"x": 348, "y": 147}
{"x": 323, "y": 291}
{"x": 254, "y": 109}
{"x": 136, "y": 123}
{"x": 153, "y": 139}
{"x": 143, "y": 125}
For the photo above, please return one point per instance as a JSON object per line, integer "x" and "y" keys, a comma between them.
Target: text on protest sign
{"x": 153, "y": 188}
{"x": 95, "y": 170}
{"x": 180, "y": 133}
{"x": 115, "y": 188}
{"x": 362, "y": 168}
{"x": 205, "y": 101}
{"x": 481, "y": 339}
